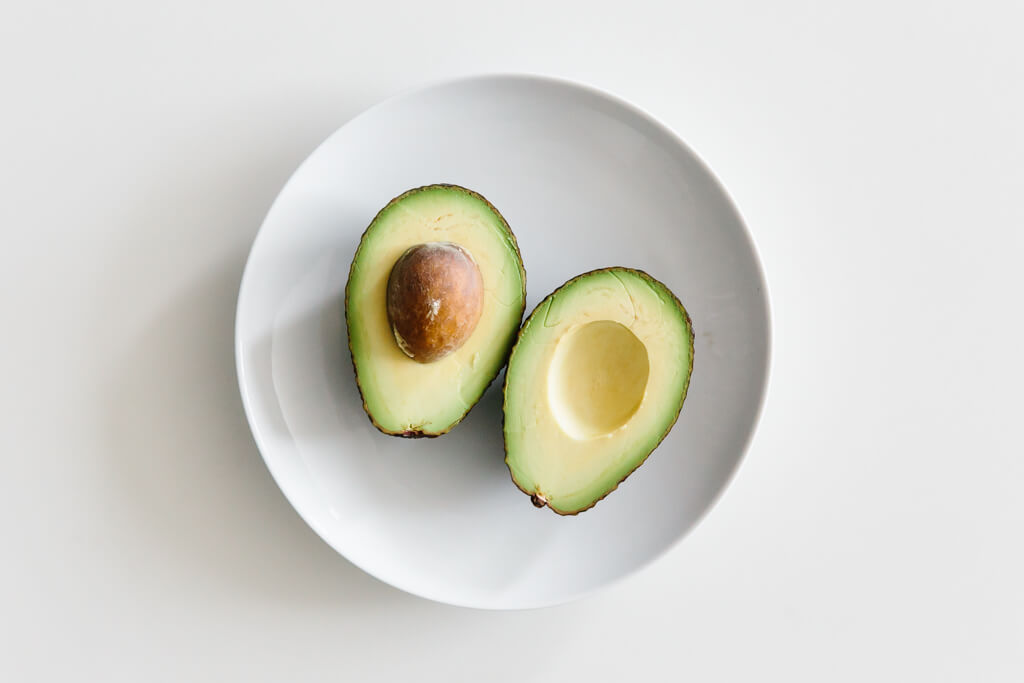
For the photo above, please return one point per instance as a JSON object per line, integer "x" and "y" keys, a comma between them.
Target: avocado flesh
{"x": 595, "y": 381}
{"x": 403, "y": 397}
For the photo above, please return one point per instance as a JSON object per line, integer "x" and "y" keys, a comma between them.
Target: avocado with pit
{"x": 596, "y": 380}
{"x": 434, "y": 298}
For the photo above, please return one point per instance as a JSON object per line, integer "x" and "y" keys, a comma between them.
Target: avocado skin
{"x": 416, "y": 433}
{"x": 537, "y": 499}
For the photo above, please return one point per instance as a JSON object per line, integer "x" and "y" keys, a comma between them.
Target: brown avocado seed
{"x": 434, "y": 299}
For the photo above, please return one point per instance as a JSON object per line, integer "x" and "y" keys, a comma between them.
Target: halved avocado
{"x": 404, "y": 396}
{"x": 594, "y": 383}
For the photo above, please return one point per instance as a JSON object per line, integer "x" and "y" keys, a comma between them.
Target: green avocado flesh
{"x": 594, "y": 383}
{"x": 404, "y": 397}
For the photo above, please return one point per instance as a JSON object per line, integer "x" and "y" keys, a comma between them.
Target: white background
{"x": 876, "y": 529}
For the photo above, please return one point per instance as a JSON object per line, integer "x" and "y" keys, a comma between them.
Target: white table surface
{"x": 876, "y": 529}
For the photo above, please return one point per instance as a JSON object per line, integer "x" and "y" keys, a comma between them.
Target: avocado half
{"x": 403, "y": 397}
{"x": 595, "y": 381}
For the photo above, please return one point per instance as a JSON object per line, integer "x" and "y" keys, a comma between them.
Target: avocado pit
{"x": 435, "y": 296}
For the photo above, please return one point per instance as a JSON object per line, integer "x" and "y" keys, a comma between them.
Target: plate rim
{"x": 662, "y": 127}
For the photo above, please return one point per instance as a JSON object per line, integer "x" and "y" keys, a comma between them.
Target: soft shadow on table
{"x": 186, "y": 480}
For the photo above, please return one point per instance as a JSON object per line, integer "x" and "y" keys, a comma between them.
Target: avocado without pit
{"x": 595, "y": 381}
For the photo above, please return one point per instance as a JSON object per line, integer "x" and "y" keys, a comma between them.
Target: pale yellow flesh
{"x": 597, "y": 378}
{"x": 401, "y": 394}
{"x": 594, "y": 383}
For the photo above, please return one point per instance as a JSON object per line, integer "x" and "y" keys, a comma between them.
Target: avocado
{"x": 595, "y": 381}
{"x": 434, "y": 297}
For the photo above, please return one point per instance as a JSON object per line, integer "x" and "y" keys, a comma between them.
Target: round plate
{"x": 586, "y": 181}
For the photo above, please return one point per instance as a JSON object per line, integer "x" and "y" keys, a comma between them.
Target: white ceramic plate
{"x": 585, "y": 180}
